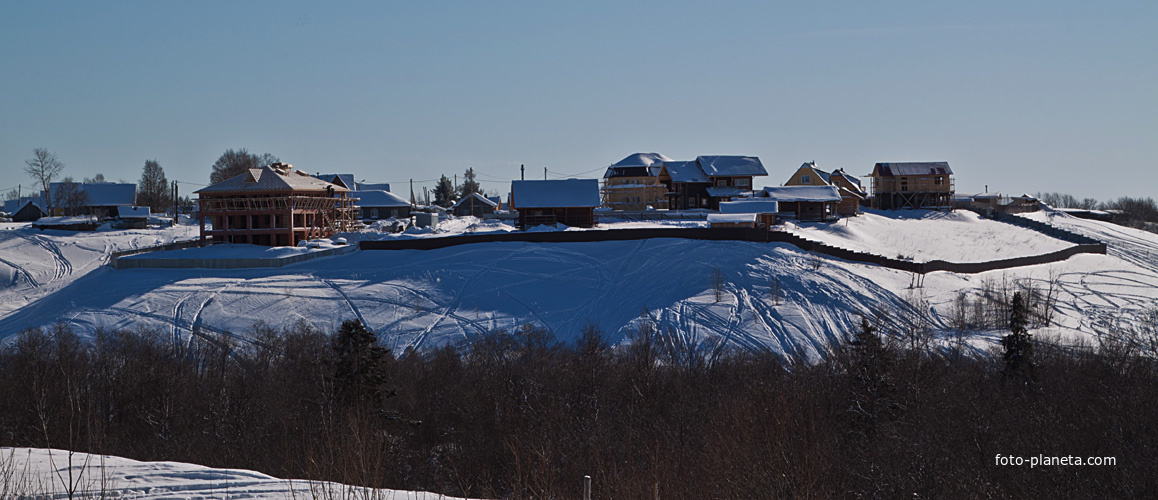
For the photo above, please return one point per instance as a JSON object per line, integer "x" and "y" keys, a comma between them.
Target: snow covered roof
{"x": 723, "y": 165}
{"x": 378, "y": 198}
{"x": 750, "y": 206}
{"x": 913, "y": 168}
{"x": 685, "y": 171}
{"x": 823, "y": 175}
{"x": 480, "y": 198}
{"x": 785, "y": 194}
{"x": 268, "y": 179}
{"x": 851, "y": 178}
{"x": 555, "y": 193}
{"x": 731, "y": 191}
{"x": 737, "y": 217}
{"x": 642, "y": 160}
{"x": 103, "y": 194}
{"x": 133, "y": 212}
{"x": 12, "y": 206}
{"x": 346, "y": 180}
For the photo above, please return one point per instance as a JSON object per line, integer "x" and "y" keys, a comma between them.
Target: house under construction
{"x": 912, "y": 185}
{"x": 274, "y": 206}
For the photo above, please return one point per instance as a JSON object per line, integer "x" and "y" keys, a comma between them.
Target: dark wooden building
{"x": 274, "y": 206}
{"x": 28, "y": 213}
{"x": 570, "y": 202}
{"x": 709, "y": 180}
{"x": 378, "y": 205}
{"x": 474, "y": 204}
{"x": 805, "y": 203}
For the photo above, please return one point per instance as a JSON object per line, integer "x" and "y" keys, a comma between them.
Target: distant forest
{"x": 1141, "y": 213}
{"x": 520, "y": 415}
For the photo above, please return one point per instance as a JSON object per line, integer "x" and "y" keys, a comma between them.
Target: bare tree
{"x": 234, "y": 163}
{"x": 153, "y": 188}
{"x": 44, "y": 167}
{"x": 70, "y": 196}
{"x": 99, "y": 177}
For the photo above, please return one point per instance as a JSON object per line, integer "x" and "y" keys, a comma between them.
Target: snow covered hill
{"x": 45, "y": 473}
{"x": 421, "y": 299}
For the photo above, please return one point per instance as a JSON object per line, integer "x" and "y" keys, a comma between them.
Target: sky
{"x": 1016, "y": 96}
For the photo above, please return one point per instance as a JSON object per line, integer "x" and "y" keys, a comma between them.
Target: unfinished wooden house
{"x": 274, "y": 206}
{"x": 633, "y": 183}
{"x": 570, "y": 202}
{"x": 852, "y": 194}
{"x": 805, "y": 203}
{"x": 912, "y": 185}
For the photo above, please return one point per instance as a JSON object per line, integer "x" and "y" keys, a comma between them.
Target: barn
{"x": 570, "y": 202}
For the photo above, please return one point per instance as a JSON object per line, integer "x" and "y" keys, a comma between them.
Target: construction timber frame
{"x": 935, "y": 192}
{"x": 275, "y": 218}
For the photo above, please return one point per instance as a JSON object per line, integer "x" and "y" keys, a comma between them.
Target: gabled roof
{"x": 555, "y": 193}
{"x": 478, "y": 198}
{"x": 750, "y": 206}
{"x": 378, "y": 198}
{"x": 823, "y": 175}
{"x": 103, "y": 194}
{"x": 344, "y": 180}
{"x": 723, "y": 166}
{"x": 642, "y": 160}
{"x": 685, "y": 171}
{"x": 12, "y": 206}
{"x": 912, "y": 168}
{"x": 368, "y": 186}
{"x": 851, "y": 178}
{"x": 786, "y": 194}
{"x": 267, "y": 179}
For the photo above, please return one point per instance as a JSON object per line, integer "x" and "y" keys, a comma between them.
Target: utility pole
{"x": 544, "y": 173}
{"x": 412, "y": 192}
{"x": 522, "y": 172}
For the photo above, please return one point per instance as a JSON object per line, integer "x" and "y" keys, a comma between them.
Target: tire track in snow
{"x": 456, "y": 300}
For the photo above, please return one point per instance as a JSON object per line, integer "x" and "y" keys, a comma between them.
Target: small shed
{"x": 570, "y": 202}
{"x": 717, "y": 221}
{"x": 806, "y": 203}
{"x": 134, "y": 217}
{"x": 28, "y": 213}
{"x": 377, "y": 205}
{"x": 473, "y": 204}
{"x": 764, "y": 208}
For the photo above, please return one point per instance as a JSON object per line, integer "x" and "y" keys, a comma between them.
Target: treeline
{"x": 1141, "y": 213}
{"x": 521, "y": 415}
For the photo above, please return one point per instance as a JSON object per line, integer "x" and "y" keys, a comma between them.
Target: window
{"x": 806, "y": 179}
{"x": 373, "y": 213}
{"x": 904, "y": 185}
{"x": 721, "y": 182}
{"x": 938, "y": 180}
{"x": 742, "y": 182}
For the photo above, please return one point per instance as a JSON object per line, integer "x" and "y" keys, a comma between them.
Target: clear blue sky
{"x": 1022, "y": 96}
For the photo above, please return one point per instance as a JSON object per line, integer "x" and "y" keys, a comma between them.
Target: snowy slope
{"x": 45, "y": 473}
{"x": 922, "y": 235}
{"x": 426, "y": 298}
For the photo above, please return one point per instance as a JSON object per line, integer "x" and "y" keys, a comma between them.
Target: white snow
{"x": 53, "y": 473}
{"x": 429, "y": 298}
{"x": 922, "y": 235}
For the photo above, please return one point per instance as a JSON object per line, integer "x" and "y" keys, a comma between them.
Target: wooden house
{"x": 912, "y": 185}
{"x": 709, "y": 180}
{"x": 633, "y": 183}
{"x": 475, "y": 205}
{"x": 101, "y": 199}
{"x": 133, "y": 217}
{"x": 851, "y": 192}
{"x": 275, "y": 206}
{"x": 805, "y": 203}
{"x": 570, "y": 202}
{"x": 377, "y": 204}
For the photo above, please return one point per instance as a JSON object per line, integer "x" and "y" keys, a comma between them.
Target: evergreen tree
{"x": 444, "y": 192}
{"x": 1018, "y": 345}
{"x": 469, "y": 184}
{"x": 153, "y": 189}
{"x": 360, "y": 364}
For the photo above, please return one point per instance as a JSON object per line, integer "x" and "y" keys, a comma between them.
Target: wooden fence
{"x": 734, "y": 234}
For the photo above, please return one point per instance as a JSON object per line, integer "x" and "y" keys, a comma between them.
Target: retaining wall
{"x": 734, "y": 234}
{"x": 238, "y": 263}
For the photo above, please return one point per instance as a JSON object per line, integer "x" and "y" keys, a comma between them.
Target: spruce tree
{"x": 360, "y": 363}
{"x": 1018, "y": 345}
{"x": 444, "y": 192}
